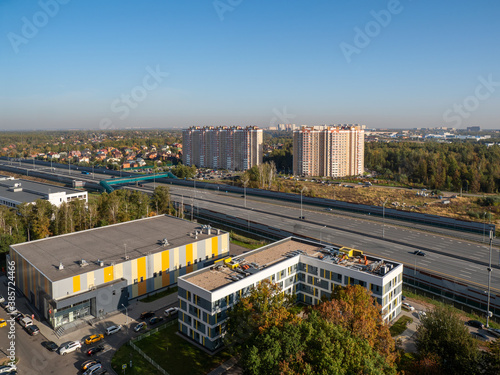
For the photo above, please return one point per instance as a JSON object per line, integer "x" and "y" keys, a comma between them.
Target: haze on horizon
{"x": 117, "y": 64}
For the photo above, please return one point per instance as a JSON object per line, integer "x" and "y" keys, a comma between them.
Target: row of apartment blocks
{"x": 233, "y": 148}
{"x": 304, "y": 268}
{"x": 329, "y": 151}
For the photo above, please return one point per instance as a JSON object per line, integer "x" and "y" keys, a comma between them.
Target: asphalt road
{"x": 458, "y": 259}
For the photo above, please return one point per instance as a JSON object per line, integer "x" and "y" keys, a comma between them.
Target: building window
{"x": 155, "y": 274}
{"x": 160, "y": 273}
{"x": 135, "y": 281}
{"x": 142, "y": 279}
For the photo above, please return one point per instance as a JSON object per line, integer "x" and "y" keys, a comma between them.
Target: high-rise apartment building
{"x": 234, "y": 148}
{"x": 329, "y": 151}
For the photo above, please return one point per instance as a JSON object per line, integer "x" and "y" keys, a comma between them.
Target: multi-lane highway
{"x": 462, "y": 262}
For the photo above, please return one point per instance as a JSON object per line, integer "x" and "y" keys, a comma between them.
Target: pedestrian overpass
{"x": 108, "y": 184}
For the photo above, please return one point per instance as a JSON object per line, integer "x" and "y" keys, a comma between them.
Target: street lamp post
{"x": 245, "y": 192}
{"x": 489, "y": 285}
{"x": 383, "y": 218}
{"x": 126, "y": 312}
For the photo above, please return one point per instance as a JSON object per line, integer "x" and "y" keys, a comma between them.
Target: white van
{"x": 25, "y": 322}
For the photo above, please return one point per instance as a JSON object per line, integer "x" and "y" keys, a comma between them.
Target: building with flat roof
{"x": 329, "y": 151}
{"x": 305, "y": 268}
{"x": 14, "y": 192}
{"x": 95, "y": 272}
{"x": 222, "y": 147}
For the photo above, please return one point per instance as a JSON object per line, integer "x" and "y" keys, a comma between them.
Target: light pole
{"x": 489, "y": 285}
{"x": 383, "y": 218}
{"x": 320, "y": 233}
{"x": 126, "y": 312}
{"x": 301, "y": 192}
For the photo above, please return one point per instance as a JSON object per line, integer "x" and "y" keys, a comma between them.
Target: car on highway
{"x": 171, "y": 311}
{"x": 69, "y": 347}
{"x": 95, "y": 350}
{"x": 140, "y": 326}
{"x": 3, "y": 323}
{"x": 145, "y": 315}
{"x": 32, "y": 330}
{"x": 419, "y": 253}
{"x": 88, "y": 364}
{"x": 407, "y": 306}
{"x": 113, "y": 329}
{"x": 92, "y": 370}
{"x": 94, "y": 338}
{"x": 475, "y": 323}
{"x": 50, "y": 345}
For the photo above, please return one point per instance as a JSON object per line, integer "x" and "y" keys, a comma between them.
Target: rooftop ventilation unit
{"x": 164, "y": 242}
{"x": 61, "y": 267}
{"x": 83, "y": 263}
{"x": 100, "y": 262}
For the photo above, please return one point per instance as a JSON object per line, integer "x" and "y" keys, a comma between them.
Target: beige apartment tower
{"x": 329, "y": 151}
{"x": 234, "y": 148}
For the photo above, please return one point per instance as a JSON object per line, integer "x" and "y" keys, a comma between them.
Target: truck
{"x": 85, "y": 172}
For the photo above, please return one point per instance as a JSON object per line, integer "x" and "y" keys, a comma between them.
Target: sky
{"x": 94, "y": 64}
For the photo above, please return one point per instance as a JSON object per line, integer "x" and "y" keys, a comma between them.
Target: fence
{"x": 147, "y": 334}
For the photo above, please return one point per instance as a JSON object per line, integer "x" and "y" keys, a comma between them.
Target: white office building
{"x": 307, "y": 269}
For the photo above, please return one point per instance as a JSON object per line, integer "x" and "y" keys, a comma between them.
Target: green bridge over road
{"x": 108, "y": 184}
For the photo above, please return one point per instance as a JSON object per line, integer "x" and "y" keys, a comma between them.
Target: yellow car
{"x": 93, "y": 338}
{"x": 3, "y": 323}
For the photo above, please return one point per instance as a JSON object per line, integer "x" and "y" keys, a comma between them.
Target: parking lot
{"x": 34, "y": 358}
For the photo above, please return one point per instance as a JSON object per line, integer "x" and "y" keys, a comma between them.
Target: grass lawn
{"x": 139, "y": 365}
{"x": 247, "y": 242}
{"x": 472, "y": 316}
{"x": 400, "y": 325}
{"x": 176, "y": 355}
{"x": 161, "y": 294}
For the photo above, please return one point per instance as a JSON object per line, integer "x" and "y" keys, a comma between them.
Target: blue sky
{"x": 116, "y": 64}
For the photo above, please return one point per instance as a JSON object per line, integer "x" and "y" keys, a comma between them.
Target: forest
{"x": 472, "y": 167}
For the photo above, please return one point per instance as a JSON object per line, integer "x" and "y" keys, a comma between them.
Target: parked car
{"x": 100, "y": 372}
{"x": 25, "y": 322}
{"x": 475, "y": 323}
{"x": 407, "y": 306}
{"x": 93, "y": 369}
{"x": 69, "y": 347}
{"x": 2, "y": 299}
{"x": 146, "y": 315}
{"x": 155, "y": 320}
{"x": 50, "y": 345}
{"x": 421, "y": 314}
{"x": 32, "y": 330}
{"x": 171, "y": 311}
{"x": 140, "y": 326}
{"x": 479, "y": 336}
{"x": 95, "y": 350}
{"x": 18, "y": 317}
{"x": 88, "y": 364}
{"x": 94, "y": 338}
{"x": 113, "y": 329}
{"x": 7, "y": 369}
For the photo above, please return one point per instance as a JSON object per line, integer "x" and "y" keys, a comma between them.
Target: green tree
{"x": 353, "y": 308}
{"x": 160, "y": 200}
{"x": 443, "y": 334}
